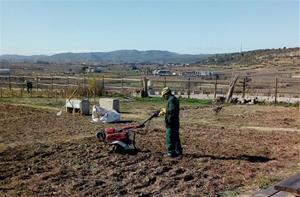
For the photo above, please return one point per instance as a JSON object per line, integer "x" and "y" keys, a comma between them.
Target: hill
{"x": 281, "y": 56}
{"x": 114, "y": 57}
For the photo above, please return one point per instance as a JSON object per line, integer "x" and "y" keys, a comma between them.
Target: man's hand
{"x": 162, "y": 112}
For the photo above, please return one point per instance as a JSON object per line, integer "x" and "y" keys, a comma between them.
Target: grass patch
{"x": 281, "y": 103}
{"x": 58, "y": 103}
{"x": 265, "y": 182}
{"x": 35, "y": 102}
{"x": 183, "y": 101}
{"x": 296, "y": 168}
{"x": 193, "y": 102}
{"x": 229, "y": 193}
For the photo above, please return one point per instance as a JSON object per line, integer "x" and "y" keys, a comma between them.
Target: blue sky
{"x": 185, "y": 26}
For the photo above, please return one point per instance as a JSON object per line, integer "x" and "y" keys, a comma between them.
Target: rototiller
{"x": 122, "y": 138}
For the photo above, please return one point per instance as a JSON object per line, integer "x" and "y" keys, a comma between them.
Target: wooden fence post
{"x": 244, "y": 87}
{"x": 165, "y": 81}
{"x": 9, "y": 82}
{"x": 189, "y": 87}
{"x": 1, "y": 92}
{"x": 103, "y": 84}
{"x": 21, "y": 92}
{"x": 37, "y": 84}
{"x": 84, "y": 86}
{"x": 52, "y": 86}
{"x": 48, "y": 92}
{"x": 78, "y": 88}
{"x": 55, "y": 96}
{"x": 122, "y": 85}
{"x": 216, "y": 84}
{"x": 276, "y": 89}
{"x": 95, "y": 90}
{"x": 145, "y": 87}
{"x": 68, "y": 84}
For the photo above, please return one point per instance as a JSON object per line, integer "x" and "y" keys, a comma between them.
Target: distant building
{"x": 203, "y": 74}
{"x": 93, "y": 69}
{"x": 97, "y": 69}
{"x": 162, "y": 72}
{"x": 5, "y": 71}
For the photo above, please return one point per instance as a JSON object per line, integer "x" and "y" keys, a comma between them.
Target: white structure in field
{"x": 110, "y": 104}
{"x": 78, "y": 106}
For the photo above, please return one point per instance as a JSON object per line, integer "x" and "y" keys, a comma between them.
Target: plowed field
{"x": 42, "y": 154}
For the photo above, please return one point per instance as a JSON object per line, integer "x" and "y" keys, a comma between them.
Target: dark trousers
{"x": 173, "y": 143}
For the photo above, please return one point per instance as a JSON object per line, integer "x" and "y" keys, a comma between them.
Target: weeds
{"x": 264, "y": 182}
{"x": 229, "y": 193}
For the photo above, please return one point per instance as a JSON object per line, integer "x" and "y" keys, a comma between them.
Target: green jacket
{"x": 172, "y": 113}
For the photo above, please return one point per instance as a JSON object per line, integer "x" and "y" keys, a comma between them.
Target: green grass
{"x": 183, "y": 101}
{"x": 57, "y": 103}
{"x": 35, "y": 102}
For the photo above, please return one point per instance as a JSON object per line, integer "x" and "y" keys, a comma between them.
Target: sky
{"x": 31, "y": 27}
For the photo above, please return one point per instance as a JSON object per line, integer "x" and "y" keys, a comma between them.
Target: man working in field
{"x": 171, "y": 112}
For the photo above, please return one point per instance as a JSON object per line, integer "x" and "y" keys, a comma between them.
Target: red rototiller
{"x": 122, "y": 138}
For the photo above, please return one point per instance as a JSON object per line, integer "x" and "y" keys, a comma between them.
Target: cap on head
{"x": 165, "y": 91}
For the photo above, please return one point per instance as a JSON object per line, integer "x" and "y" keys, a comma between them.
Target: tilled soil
{"x": 47, "y": 155}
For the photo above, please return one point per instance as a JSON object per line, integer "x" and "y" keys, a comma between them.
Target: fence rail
{"x": 53, "y": 86}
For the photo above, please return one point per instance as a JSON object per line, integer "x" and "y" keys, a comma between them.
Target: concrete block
{"x": 78, "y": 106}
{"x": 110, "y": 103}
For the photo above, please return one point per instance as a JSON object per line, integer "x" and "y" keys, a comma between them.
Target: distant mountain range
{"x": 114, "y": 57}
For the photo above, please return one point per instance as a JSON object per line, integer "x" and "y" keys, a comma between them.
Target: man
{"x": 171, "y": 112}
{"x": 28, "y": 86}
